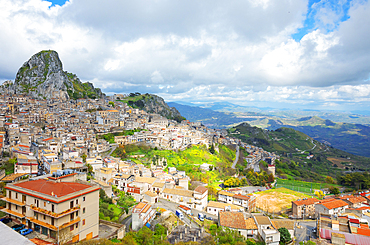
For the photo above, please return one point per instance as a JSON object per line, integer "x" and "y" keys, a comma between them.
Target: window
{"x": 44, "y": 217}
{"x": 52, "y": 208}
{"x": 76, "y": 201}
{"x": 84, "y": 198}
{"x": 83, "y": 210}
{"x": 76, "y": 225}
{"x": 71, "y": 227}
{"x": 16, "y": 195}
{"x": 44, "y": 204}
{"x": 16, "y": 207}
{"x": 83, "y": 222}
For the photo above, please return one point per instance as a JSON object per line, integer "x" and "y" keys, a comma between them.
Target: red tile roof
{"x": 201, "y": 189}
{"x": 334, "y": 204}
{"x": 48, "y": 187}
{"x": 353, "y": 199}
{"x": 232, "y": 219}
{"x": 363, "y": 231}
{"x": 47, "y": 139}
{"x": 242, "y": 197}
{"x": 308, "y": 201}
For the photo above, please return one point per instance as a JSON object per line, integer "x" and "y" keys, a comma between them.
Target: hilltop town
{"x": 61, "y": 165}
{"x": 78, "y": 166}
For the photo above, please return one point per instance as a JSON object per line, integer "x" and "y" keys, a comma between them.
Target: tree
{"x": 334, "y": 190}
{"x": 329, "y": 180}
{"x": 160, "y": 230}
{"x": 64, "y": 236}
{"x": 284, "y": 235}
{"x": 84, "y": 157}
{"x": 89, "y": 168}
{"x": 212, "y": 149}
{"x": 319, "y": 193}
{"x": 111, "y": 103}
{"x": 271, "y": 178}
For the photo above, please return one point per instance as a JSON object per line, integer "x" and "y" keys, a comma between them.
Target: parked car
{"x": 26, "y": 231}
{"x": 5, "y": 220}
{"x": 201, "y": 216}
{"x": 18, "y": 227}
{"x": 208, "y": 217}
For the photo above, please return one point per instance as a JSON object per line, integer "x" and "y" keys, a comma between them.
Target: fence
{"x": 306, "y": 190}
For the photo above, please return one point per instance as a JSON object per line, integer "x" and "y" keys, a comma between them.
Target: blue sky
{"x": 298, "y": 54}
{"x": 58, "y": 2}
{"x": 311, "y": 24}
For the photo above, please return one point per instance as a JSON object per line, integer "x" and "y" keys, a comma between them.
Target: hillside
{"x": 325, "y": 160}
{"x": 42, "y": 77}
{"x": 282, "y": 140}
{"x": 152, "y": 104}
{"x": 188, "y": 160}
{"x": 352, "y": 138}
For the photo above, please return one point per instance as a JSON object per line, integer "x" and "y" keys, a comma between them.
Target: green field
{"x": 302, "y": 186}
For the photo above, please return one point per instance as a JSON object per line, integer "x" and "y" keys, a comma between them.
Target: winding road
{"x": 236, "y": 157}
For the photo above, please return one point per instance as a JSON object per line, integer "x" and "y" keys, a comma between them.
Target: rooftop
{"x": 306, "y": 201}
{"x": 232, "y": 219}
{"x": 51, "y": 188}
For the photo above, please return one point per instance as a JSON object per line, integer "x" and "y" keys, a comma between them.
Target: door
{"x": 44, "y": 231}
{"x": 89, "y": 236}
{"x": 76, "y": 238}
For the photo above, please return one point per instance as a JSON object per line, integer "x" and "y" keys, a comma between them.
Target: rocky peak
{"x": 42, "y": 77}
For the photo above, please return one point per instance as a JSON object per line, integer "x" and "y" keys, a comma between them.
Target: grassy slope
{"x": 190, "y": 159}
{"x": 280, "y": 140}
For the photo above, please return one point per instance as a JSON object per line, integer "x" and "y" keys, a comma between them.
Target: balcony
{"x": 55, "y": 215}
{"x": 43, "y": 224}
{"x": 13, "y": 201}
{"x": 52, "y": 227}
{"x": 11, "y": 212}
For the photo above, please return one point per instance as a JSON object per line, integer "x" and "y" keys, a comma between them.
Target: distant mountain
{"x": 224, "y": 106}
{"x": 42, "y": 77}
{"x": 152, "y": 103}
{"x": 349, "y": 137}
{"x": 208, "y": 117}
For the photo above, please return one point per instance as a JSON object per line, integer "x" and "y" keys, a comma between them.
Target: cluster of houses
{"x": 340, "y": 219}
{"x": 53, "y": 141}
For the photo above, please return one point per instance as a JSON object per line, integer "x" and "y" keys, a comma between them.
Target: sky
{"x": 279, "y": 53}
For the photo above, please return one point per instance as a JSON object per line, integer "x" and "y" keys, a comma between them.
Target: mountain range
{"x": 350, "y": 137}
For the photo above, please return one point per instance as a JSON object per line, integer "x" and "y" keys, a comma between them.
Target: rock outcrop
{"x": 42, "y": 77}
{"x": 153, "y": 104}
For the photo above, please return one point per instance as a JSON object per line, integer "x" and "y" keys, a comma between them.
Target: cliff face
{"x": 42, "y": 77}
{"x": 153, "y": 104}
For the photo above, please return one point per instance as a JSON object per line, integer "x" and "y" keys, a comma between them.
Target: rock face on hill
{"x": 42, "y": 77}
{"x": 153, "y": 104}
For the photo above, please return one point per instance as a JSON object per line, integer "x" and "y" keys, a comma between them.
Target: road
{"x": 304, "y": 232}
{"x": 127, "y": 223}
{"x": 111, "y": 151}
{"x": 255, "y": 167}
{"x": 171, "y": 206}
{"x": 236, "y": 157}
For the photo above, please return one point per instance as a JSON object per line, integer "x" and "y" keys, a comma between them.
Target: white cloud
{"x": 242, "y": 51}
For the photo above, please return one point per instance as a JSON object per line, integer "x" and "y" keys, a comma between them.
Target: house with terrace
{"x": 49, "y": 206}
